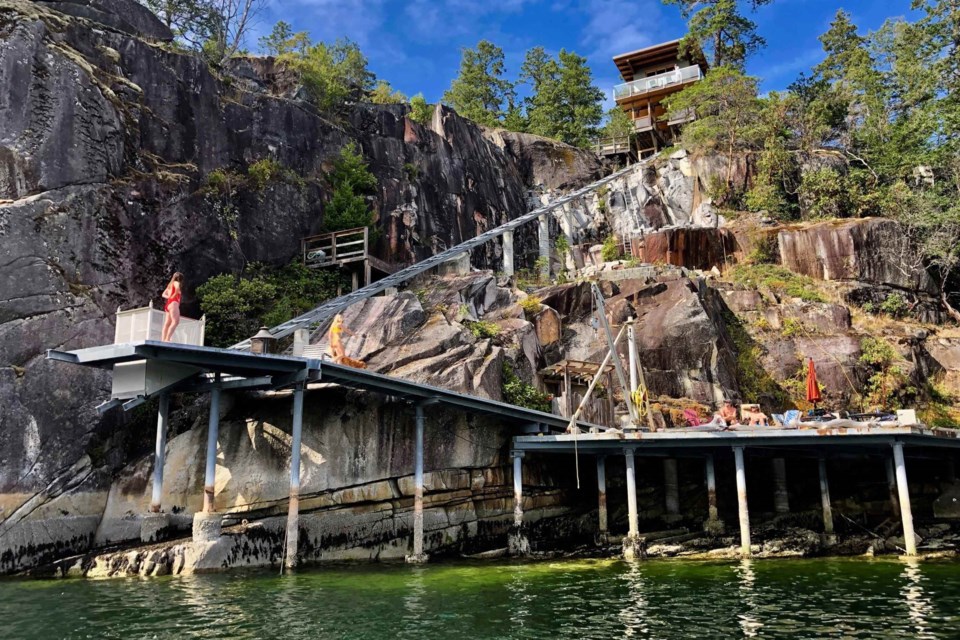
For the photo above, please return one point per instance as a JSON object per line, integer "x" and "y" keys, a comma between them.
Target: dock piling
{"x": 603, "y": 531}
{"x": 508, "y": 268}
{"x": 903, "y": 491}
{"x": 210, "y": 478}
{"x": 742, "y": 501}
{"x": 828, "y": 536}
{"x": 418, "y": 556}
{"x": 159, "y": 455}
{"x": 892, "y": 487}
{"x": 781, "y": 499}
{"x": 631, "y": 543}
{"x": 713, "y": 524}
{"x": 517, "y": 542}
{"x": 671, "y": 485}
{"x": 293, "y": 510}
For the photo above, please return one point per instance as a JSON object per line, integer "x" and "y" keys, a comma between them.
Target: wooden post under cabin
{"x": 159, "y": 454}
{"x": 744, "y": 511}
{"x": 293, "y": 510}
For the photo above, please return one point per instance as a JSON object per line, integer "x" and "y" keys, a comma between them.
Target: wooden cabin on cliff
{"x": 649, "y": 75}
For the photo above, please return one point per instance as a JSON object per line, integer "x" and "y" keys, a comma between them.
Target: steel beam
{"x": 213, "y": 428}
{"x": 742, "y": 501}
{"x": 508, "y": 259}
{"x": 418, "y": 555}
{"x": 293, "y": 510}
{"x": 159, "y": 452}
{"x": 631, "y": 544}
{"x": 903, "y": 491}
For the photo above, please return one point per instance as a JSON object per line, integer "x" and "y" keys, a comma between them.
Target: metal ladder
{"x": 328, "y": 309}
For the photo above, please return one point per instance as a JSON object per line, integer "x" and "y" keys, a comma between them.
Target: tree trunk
{"x": 953, "y": 313}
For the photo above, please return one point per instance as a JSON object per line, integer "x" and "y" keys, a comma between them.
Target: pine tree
{"x": 564, "y": 104}
{"x": 718, "y": 26}
{"x": 480, "y": 92}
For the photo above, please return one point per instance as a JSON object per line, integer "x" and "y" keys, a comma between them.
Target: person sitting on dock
{"x": 171, "y": 309}
{"x": 753, "y": 415}
{"x": 726, "y": 416}
{"x": 336, "y": 342}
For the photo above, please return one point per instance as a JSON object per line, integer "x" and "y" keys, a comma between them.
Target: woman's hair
{"x": 177, "y": 277}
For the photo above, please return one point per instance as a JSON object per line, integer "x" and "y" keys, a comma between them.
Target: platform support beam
{"x": 603, "y": 531}
{"x": 517, "y": 542}
{"x": 744, "y": 511}
{"x": 213, "y": 429}
{"x": 544, "y": 237}
{"x": 903, "y": 492}
{"x": 508, "y": 253}
{"x": 713, "y": 524}
{"x": 781, "y": 499}
{"x": 631, "y": 543}
{"x": 293, "y": 510}
{"x": 828, "y": 535}
{"x": 671, "y": 488}
{"x": 418, "y": 556}
{"x": 159, "y": 453}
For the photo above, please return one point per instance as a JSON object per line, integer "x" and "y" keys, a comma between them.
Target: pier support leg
{"x": 206, "y": 525}
{"x": 603, "y": 533}
{"x": 903, "y": 491}
{"x": 713, "y": 525}
{"x": 671, "y": 485}
{"x": 781, "y": 499}
{"x": 210, "y": 478}
{"x": 293, "y": 510}
{"x": 742, "y": 501}
{"x": 544, "y": 237}
{"x": 418, "y": 556}
{"x": 508, "y": 260}
{"x": 829, "y": 538}
{"x": 159, "y": 453}
{"x": 631, "y": 543}
{"x": 892, "y": 487}
{"x": 154, "y": 523}
{"x": 517, "y": 542}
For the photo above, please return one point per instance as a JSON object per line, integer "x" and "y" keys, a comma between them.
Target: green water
{"x": 566, "y": 599}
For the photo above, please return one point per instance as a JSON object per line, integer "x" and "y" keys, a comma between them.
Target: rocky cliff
{"x": 108, "y": 137}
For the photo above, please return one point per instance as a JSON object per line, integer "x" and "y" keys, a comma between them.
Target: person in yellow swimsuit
{"x": 337, "y": 329}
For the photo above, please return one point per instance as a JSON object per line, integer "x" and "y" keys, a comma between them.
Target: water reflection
{"x": 635, "y": 612}
{"x": 520, "y": 599}
{"x": 746, "y": 586}
{"x": 919, "y": 607}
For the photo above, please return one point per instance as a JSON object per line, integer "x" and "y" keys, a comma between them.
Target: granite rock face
{"x": 107, "y": 139}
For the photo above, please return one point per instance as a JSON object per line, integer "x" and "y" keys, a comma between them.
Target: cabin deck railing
{"x": 337, "y": 247}
{"x": 146, "y": 323}
{"x": 652, "y": 83}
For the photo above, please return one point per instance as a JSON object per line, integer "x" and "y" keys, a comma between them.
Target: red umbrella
{"x": 813, "y": 389}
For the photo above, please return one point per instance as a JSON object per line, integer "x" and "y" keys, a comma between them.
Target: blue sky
{"x": 415, "y": 44}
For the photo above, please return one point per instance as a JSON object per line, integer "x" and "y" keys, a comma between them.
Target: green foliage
{"x": 791, "y": 327}
{"x": 894, "y": 305}
{"x": 562, "y": 247}
{"x": 332, "y": 74}
{"x": 351, "y": 179}
{"x": 778, "y": 279}
{"x": 824, "y": 193}
{"x": 383, "y": 93}
{"x": 236, "y": 306}
{"x": 718, "y": 27}
{"x": 483, "y": 329}
{"x": 420, "y": 111}
{"x": 564, "y": 105}
{"x": 756, "y": 385}
{"x": 411, "y": 170}
{"x": 618, "y": 124}
{"x": 765, "y": 249}
{"x": 531, "y": 306}
{"x": 887, "y": 377}
{"x": 264, "y": 171}
{"x": 283, "y": 41}
{"x": 519, "y": 393}
{"x": 480, "y": 92}
{"x": 611, "y": 249}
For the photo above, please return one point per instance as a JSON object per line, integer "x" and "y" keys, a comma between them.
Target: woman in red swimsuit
{"x": 171, "y": 310}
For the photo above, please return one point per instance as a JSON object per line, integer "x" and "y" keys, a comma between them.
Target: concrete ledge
{"x": 207, "y": 527}
{"x": 155, "y": 527}
{"x": 417, "y": 558}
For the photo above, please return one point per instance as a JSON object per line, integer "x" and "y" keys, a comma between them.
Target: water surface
{"x": 823, "y": 598}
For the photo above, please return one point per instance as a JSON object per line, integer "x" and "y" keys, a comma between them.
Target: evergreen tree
{"x": 719, "y": 27}
{"x": 333, "y": 75}
{"x": 283, "y": 41}
{"x": 564, "y": 104}
{"x": 420, "y": 111}
{"x": 351, "y": 180}
{"x": 480, "y": 92}
{"x": 383, "y": 93}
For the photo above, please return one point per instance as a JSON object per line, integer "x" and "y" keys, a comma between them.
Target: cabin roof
{"x": 628, "y": 63}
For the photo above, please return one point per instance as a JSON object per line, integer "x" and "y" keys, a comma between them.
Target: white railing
{"x": 146, "y": 323}
{"x": 646, "y": 85}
